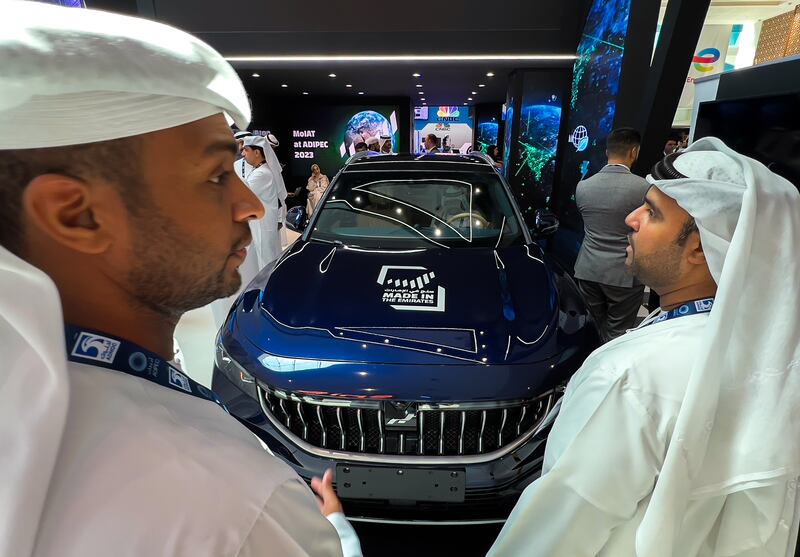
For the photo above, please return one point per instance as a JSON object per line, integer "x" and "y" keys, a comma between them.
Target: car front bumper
{"x": 490, "y": 487}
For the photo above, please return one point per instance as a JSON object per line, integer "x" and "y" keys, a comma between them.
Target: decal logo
{"x": 177, "y": 379}
{"x": 704, "y": 305}
{"x": 409, "y": 288}
{"x": 705, "y": 59}
{"x": 400, "y": 416}
{"x": 96, "y": 347}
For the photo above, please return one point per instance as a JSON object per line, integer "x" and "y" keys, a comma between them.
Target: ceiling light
{"x": 465, "y": 104}
{"x": 403, "y": 58}
{"x": 284, "y": 85}
{"x": 420, "y": 92}
{"x": 361, "y": 92}
{"x": 331, "y": 75}
{"x": 469, "y": 98}
{"x": 425, "y": 104}
{"x": 305, "y": 92}
{"x": 422, "y": 98}
{"x": 415, "y": 75}
{"x": 481, "y": 85}
{"x": 348, "y": 85}
{"x": 474, "y": 92}
{"x": 489, "y": 74}
{"x": 419, "y": 85}
{"x": 256, "y": 75}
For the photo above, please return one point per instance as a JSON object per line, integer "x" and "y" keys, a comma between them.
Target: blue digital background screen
{"x": 487, "y": 133}
{"x": 533, "y": 160}
{"x": 592, "y": 102}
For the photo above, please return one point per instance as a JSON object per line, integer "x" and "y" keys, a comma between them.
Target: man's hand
{"x": 326, "y": 496}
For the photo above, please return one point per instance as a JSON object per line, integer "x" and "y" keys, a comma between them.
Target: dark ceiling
{"x": 349, "y": 27}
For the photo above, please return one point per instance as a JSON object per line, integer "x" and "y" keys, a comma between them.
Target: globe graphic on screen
{"x": 580, "y": 138}
{"x": 363, "y": 125}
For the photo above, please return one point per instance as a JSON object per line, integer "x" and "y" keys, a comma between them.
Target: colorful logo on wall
{"x": 448, "y": 112}
{"x": 705, "y": 59}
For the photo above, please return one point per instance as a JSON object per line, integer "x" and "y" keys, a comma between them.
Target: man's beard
{"x": 171, "y": 274}
{"x": 658, "y": 269}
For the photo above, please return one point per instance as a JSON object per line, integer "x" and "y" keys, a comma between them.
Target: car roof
{"x": 476, "y": 163}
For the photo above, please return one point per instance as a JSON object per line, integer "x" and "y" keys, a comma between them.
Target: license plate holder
{"x": 400, "y": 483}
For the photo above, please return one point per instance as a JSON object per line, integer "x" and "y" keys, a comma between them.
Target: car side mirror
{"x": 296, "y": 219}
{"x": 545, "y": 223}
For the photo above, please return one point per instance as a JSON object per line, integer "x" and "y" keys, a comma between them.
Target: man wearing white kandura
{"x": 680, "y": 437}
{"x": 122, "y": 211}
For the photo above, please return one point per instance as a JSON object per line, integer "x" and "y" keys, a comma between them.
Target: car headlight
{"x": 235, "y": 372}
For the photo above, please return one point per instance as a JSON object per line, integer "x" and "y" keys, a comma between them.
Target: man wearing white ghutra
{"x": 682, "y": 436}
{"x": 123, "y": 211}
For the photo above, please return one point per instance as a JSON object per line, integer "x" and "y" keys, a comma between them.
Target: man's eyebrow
{"x": 653, "y": 205}
{"x": 224, "y": 145}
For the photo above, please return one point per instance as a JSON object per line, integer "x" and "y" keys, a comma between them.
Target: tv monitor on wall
{"x": 764, "y": 128}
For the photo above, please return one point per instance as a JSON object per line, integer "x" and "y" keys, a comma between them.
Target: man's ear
{"x": 695, "y": 253}
{"x": 65, "y": 209}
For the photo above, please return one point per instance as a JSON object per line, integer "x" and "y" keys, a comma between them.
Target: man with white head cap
{"x": 117, "y": 452}
{"x": 681, "y": 436}
{"x": 262, "y": 181}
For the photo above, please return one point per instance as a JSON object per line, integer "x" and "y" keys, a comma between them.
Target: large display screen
{"x": 533, "y": 162}
{"x": 764, "y": 128}
{"x": 487, "y": 131}
{"x": 327, "y": 135}
{"x": 452, "y": 125}
{"x": 595, "y": 84}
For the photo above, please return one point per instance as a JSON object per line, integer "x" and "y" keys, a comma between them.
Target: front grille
{"x": 359, "y": 426}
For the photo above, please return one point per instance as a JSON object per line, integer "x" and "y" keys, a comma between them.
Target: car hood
{"x": 440, "y": 306}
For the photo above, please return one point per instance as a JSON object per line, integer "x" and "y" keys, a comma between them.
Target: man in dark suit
{"x": 604, "y": 200}
{"x": 431, "y": 143}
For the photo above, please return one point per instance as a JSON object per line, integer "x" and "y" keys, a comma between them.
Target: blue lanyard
{"x": 689, "y": 308}
{"x": 103, "y": 350}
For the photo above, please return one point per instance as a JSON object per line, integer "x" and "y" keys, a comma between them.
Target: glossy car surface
{"x": 414, "y": 338}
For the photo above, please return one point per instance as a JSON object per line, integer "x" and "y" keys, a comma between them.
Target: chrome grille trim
{"x": 441, "y": 432}
{"x": 502, "y": 425}
{"x": 460, "y": 440}
{"x": 421, "y": 433}
{"x": 322, "y": 427}
{"x": 380, "y": 431}
{"x": 302, "y": 419}
{"x": 461, "y": 434}
{"x": 361, "y": 438}
{"x": 521, "y": 418}
{"x": 341, "y": 427}
{"x": 483, "y": 428}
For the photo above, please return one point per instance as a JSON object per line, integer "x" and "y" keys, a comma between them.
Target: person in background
{"x": 361, "y": 147}
{"x": 262, "y": 182}
{"x": 386, "y": 144}
{"x": 673, "y": 141}
{"x": 494, "y": 153}
{"x": 431, "y": 144}
{"x": 612, "y": 295}
{"x": 682, "y": 437}
{"x": 317, "y": 184}
{"x": 239, "y": 136}
{"x": 109, "y": 233}
{"x": 374, "y": 144}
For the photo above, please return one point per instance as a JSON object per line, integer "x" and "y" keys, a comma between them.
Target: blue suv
{"x": 413, "y": 338}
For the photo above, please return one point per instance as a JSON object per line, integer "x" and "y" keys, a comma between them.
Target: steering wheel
{"x": 483, "y": 223}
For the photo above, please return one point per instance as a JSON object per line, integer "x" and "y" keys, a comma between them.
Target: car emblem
{"x": 400, "y": 416}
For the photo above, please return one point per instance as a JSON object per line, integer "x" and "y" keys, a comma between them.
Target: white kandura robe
{"x": 606, "y": 450}
{"x": 145, "y": 470}
{"x": 266, "y": 236}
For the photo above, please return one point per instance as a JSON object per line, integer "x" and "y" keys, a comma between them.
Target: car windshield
{"x": 433, "y": 209}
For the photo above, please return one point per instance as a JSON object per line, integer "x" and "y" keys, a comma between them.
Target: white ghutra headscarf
{"x": 737, "y": 434}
